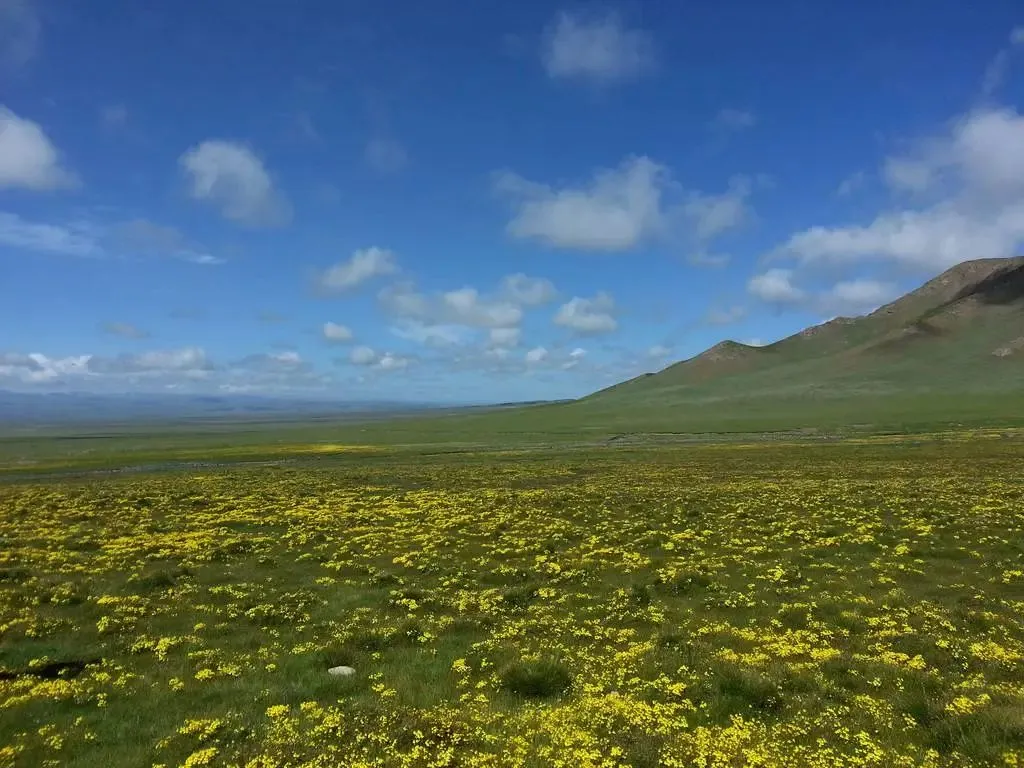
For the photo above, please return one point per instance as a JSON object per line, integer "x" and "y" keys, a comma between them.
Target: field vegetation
{"x": 854, "y": 603}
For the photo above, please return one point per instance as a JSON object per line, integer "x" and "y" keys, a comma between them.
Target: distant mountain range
{"x": 961, "y": 333}
{"x": 21, "y": 408}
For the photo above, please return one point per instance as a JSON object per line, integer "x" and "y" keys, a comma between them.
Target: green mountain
{"x": 954, "y": 346}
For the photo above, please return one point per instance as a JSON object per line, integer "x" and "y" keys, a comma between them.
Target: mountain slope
{"x": 962, "y": 332}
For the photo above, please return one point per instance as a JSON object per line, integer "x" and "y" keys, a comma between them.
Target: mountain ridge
{"x": 952, "y": 332}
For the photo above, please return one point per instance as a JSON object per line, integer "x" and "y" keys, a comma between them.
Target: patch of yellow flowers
{"x": 714, "y": 607}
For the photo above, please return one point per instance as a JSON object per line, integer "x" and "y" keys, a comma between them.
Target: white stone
{"x": 341, "y": 671}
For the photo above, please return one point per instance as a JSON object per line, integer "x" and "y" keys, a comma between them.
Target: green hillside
{"x": 962, "y": 331}
{"x": 953, "y": 348}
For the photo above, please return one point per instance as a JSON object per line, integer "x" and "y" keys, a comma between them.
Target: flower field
{"x": 713, "y": 606}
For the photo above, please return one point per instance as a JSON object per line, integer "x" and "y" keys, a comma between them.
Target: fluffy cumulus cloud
{"x": 362, "y": 266}
{"x": 362, "y": 356}
{"x": 625, "y": 207}
{"x": 596, "y": 48}
{"x": 504, "y": 337}
{"x": 466, "y": 306}
{"x": 847, "y": 297}
{"x": 231, "y": 177}
{"x": 368, "y": 357}
{"x": 536, "y": 355}
{"x": 963, "y": 198}
{"x": 459, "y": 317}
{"x": 336, "y": 334}
{"x": 775, "y": 287}
{"x": 528, "y": 291}
{"x": 28, "y": 159}
{"x": 618, "y": 210}
{"x": 852, "y": 297}
{"x": 452, "y": 317}
{"x": 38, "y": 369}
{"x": 588, "y": 316}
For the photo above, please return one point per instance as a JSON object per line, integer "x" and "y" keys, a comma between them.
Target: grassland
{"x": 855, "y": 603}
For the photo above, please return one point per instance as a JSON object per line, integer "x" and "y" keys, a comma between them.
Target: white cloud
{"x": 848, "y": 297}
{"x": 588, "y": 316}
{"x": 597, "y": 49}
{"x": 392, "y": 362}
{"x": 536, "y": 355}
{"x": 908, "y": 175}
{"x": 185, "y": 359}
{"x": 363, "y": 356}
{"x": 366, "y": 356}
{"x": 528, "y": 291}
{"x": 622, "y": 208}
{"x": 775, "y": 287}
{"x": 711, "y": 215}
{"x": 504, "y": 337}
{"x": 336, "y": 333}
{"x": 725, "y": 316}
{"x": 855, "y": 297}
{"x": 386, "y": 155}
{"x": 28, "y": 159}
{"x": 231, "y": 177}
{"x": 431, "y": 335}
{"x": 363, "y": 265}
{"x": 287, "y": 357}
{"x": 617, "y": 211}
{"x": 75, "y": 239}
{"x": 735, "y": 119}
{"x": 575, "y": 358}
{"x": 974, "y": 177}
{"x": 187, "y": 369}
{"x": 659, "y": 351}
{"x": 466, "y": 307}
{"x": 125, "y": 330}
{"x": 37, "y": 368}
{"x": 995, "y": 72}
{"x": 19, "y": 33}
{"x": 462, "y": 307}
{"x": 934, "y": 238}
{"x": 852, "y": 183}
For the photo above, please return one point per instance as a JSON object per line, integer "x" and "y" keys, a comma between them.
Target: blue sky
{"x": 480, "y": 202}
